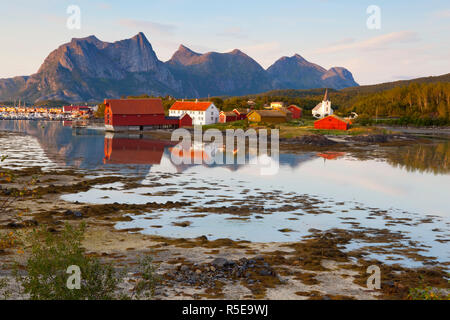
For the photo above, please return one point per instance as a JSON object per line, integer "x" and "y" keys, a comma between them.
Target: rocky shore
{"x": 316, "y": 267}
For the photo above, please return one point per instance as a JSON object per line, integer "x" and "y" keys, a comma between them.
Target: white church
{"x": 323, "y": 109}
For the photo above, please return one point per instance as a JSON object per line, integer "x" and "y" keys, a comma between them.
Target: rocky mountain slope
{"x": 87, "y": 69}
{"x": 297, "y": 73}
{"x": 232, "y": 73}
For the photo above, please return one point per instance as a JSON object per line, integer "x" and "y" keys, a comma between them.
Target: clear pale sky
{"x": 413, "y": 40}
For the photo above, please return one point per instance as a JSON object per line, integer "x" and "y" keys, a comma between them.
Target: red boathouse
{"x": 332, "y": 122}
{"x": 140, "y": 115}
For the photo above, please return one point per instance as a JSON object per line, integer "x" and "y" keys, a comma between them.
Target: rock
{"x": 184, "y": 268}
{"x": 15, "y": 225}
{"x": 198, "y": 271}
{"x": 373, "y": 138}
{"x": 68, "y": 212}
{"x": 265, "y": 272}
{"x": 388, "y": 283}
{"x": 314, "y": 140}
{"x": 31, "y": 223}
{"x": 78, "y": 214}
{"x": 221, "y": 262}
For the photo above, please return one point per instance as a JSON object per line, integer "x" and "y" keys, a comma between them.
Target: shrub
{"x": 50, "y": 258}
{"x": 146, "y": 286}
{"x": 8, "y": 240}
{"x": 427, "y": 293}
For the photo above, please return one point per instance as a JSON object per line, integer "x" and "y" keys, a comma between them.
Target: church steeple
{"x": 325, "y": 98}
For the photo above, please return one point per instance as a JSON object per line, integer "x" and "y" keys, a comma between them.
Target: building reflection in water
{"x": 122, "y": 150}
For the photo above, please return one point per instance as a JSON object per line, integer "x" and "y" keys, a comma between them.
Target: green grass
{"x": 296, "y": 128}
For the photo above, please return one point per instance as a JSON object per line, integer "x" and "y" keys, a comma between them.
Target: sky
{"x": 412, "y": 39}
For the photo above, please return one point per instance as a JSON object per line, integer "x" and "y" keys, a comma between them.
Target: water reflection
{"x": 133, "y": 151}
{"x": 91, "y": 149}
{"x": 429, "y": 158}
{"x": 405, "y": 182}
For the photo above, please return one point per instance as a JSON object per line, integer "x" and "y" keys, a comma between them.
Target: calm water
{"x": 324, "y": 190}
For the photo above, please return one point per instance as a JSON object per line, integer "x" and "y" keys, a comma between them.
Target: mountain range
{"x": 87, "y": 69}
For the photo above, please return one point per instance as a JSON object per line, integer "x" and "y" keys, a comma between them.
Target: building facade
{"x": 323, "y": 109}
{"x": 296, "y": 111}
{"x": 332, "y": 122}
{"x": 228, "y": 116}
{"x": 201, "y": 112}
{"x": 268, "y": 116}
{"x": 276, "y": 105}
{"x": 241, "y": 113}
{"x": 140, "y": 115}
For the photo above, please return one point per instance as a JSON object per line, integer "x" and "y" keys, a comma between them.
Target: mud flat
{"x": 322, "y": 264}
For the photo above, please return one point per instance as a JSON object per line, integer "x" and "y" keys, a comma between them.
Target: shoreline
{"x": 189, "y": 266}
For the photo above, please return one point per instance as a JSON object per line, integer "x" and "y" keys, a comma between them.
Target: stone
{"x": 265, "y": 272}
{"x": 220, "y": 262}
{"x": 184, "y": 268}
{"x": 78, "y": 214}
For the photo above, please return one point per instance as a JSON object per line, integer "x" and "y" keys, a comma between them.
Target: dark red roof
{"x": 135, "y": 106}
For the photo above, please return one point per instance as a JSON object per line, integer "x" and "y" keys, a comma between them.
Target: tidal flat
{"x": 308, "y": 232}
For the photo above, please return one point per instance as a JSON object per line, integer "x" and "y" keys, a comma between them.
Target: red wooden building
{"x": 71, "y": 109}
{"x": 332, "y": 122}
{"x": 241, "y": 113}
{"x": 139, "y": 115}
{"x": 228, "y": 116}
{"x": 296, "y": 111}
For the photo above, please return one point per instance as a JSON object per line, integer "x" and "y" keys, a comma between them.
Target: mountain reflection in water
{"x": 91, "y": 149}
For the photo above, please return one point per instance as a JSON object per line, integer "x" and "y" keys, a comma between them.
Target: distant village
{"x": 149, "y": 114}
{"x": 44, "y": 113}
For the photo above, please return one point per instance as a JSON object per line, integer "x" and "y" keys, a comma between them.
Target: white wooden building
{"x": 201, "y": 112}
{"x": 323, "y": 109}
